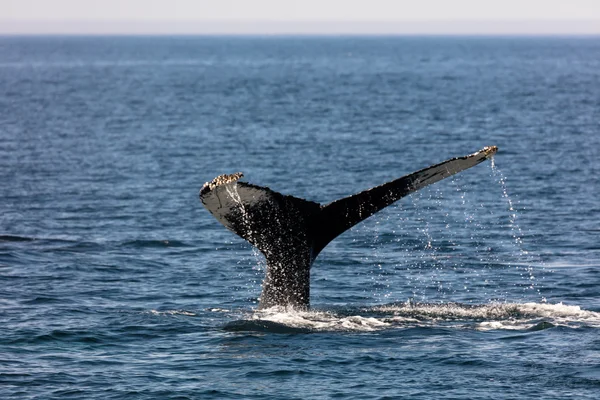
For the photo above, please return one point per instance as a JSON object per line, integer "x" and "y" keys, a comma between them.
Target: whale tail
{"x": 291, "y": 231}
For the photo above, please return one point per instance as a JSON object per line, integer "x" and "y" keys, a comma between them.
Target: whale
{"x": 291, "y": 232}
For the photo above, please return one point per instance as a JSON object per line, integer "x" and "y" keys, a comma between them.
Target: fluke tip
{"x": 489, "y": 151}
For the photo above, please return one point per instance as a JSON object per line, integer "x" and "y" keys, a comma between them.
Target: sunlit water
{"x": 116, "y": 283}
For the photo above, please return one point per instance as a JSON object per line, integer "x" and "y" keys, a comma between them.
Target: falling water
{"x": 257, "y": 260}
{"x": 525, "y": 258}
{"x": 453, "y": 246}
{"x": 232, "y": 191}
{"x": 378, "y": 275}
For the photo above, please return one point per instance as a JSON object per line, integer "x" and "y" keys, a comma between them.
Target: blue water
{"x": 115, "y": 283}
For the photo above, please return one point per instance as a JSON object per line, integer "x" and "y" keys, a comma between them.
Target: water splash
{"x": 483, "y": 265}
{"x": 428, "y": 259}
{"x": 451, "y": 245}
{"x": 514, "y": 226}
{"x": 257, "y": 262}
{"x": 232, "y": 191}
{"x": 378, "y": 276}
{"x": 526, "y": 259}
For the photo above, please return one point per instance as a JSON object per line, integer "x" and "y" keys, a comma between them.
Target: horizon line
{"x": 464, "y": 27}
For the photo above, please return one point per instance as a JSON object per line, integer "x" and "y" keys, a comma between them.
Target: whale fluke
{"x": 291, "y": 231}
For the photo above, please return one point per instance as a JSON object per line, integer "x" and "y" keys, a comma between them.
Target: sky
{"x": 300, "y": 16}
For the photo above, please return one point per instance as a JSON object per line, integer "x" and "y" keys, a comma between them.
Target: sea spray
{"x": 525, "y": 258}
{"x": 452, "y": 247}
{"x": 257, "y": 260}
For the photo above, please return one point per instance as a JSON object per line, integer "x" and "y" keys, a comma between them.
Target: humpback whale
{"x": 291, "y": 232}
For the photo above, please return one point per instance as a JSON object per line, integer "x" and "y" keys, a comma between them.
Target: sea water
{"x": 116, "y": 283}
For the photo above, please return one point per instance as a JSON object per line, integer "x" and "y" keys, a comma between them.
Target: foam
{"x": 319, "y": 320}
{"x": 496, "y": 316}
{"x": 173, "y": 312}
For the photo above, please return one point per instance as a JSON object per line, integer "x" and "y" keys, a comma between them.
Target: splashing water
{"x": 379, "y": 278}
{"x": 232, "y": 191}
{"x": 436, "y": 262}
{"x": 526, "y": 258}
{"x": 258, "y": 262}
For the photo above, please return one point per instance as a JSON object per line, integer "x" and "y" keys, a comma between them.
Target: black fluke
{"x": 291, "y": 232}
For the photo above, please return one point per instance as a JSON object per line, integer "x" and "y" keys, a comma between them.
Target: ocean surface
{"x": 115, "y": 282}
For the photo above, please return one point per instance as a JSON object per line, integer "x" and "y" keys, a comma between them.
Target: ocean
{"x": 116, "y": 283}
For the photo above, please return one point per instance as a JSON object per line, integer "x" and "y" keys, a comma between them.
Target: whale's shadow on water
{"x": 244, "y": 325}
{"x": 482, "y": 317}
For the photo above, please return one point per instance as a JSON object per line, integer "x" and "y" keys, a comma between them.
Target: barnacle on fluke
{"x": 221, "y": 180}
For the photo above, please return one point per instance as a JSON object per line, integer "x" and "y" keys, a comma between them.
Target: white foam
{"x": 483, "y": 317}
{"x": 173, "y": 312}
{"x": 504, "y": 316}
{"x": 561, "y": 314}
{"x": 320, "y": 320}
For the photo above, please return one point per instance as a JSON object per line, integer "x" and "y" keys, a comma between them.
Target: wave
{"x": 13, "y": 238}
{"x": 505, "y": 316}
{"x": 75, "y": 244}
{"x": 154, "y": 243}
{"x": 38, "y": 240}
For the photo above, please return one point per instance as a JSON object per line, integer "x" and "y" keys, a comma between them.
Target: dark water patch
{"x": 13, "y": 277}
{"x": 9, "y": 377}
{"x": 43, "y": 300}
{"x": 78, "y": 247}
{"x": 111, "y": 272}
{"x": 156, "y": 330}
{"x": 540, "y": 326}
{"x": 69, "y": 393}
{"x": 12, "y": 238}
{"x": 99, "y": 361}
{"x": 68, "y": 336}
{"x": 461, "y": 362}
{"x": 283, "y": 373}
{"x": 587, "y": 285}
{"x": 155, "y": 244}
{"x": 39, "y": 241}
{"x": 263, "y": 326}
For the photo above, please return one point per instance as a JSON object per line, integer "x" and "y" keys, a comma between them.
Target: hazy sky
{"x": 164, "y": 16}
